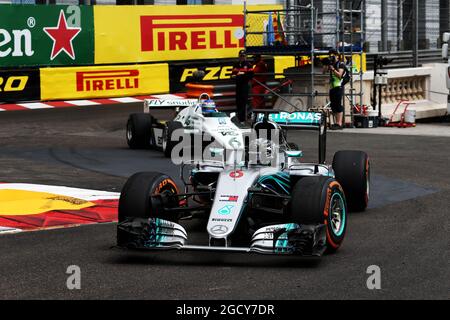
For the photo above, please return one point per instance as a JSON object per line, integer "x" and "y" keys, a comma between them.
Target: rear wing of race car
{"x": 298, "y": 120}
{"x": 166, "y": 109}
{"x": 306, "y": 120}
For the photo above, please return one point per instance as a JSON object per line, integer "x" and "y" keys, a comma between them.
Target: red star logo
{"x": 62, "y": 37}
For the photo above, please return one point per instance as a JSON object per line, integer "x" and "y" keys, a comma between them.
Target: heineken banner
{"x": 46, "y": 35}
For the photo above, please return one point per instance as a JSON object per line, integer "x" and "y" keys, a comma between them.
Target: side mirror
{"x": 290, "y": 155}
{"x": 445, "y": 51}
{"x": 216, "y": 152}
{"x": 294, "y": 153}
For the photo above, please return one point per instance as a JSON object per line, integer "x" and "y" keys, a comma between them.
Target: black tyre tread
{"x": 142, "y": 130}
{"x": 305, "y": 206}
{"x": 350, "y": 170}
{"x": 134, "y": 198}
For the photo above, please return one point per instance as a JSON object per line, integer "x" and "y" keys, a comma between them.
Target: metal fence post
{"x": 415, "y": 44}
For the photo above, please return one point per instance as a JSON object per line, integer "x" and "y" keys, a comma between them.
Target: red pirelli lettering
{"x": 156, "y": 31}
{"x": 107, "y": 80}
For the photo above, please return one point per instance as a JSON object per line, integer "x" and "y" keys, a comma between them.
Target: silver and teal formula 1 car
{"x": 285, "y": 207}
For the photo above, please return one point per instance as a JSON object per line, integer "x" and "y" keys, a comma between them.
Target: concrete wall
{"x": 432, "y": 100}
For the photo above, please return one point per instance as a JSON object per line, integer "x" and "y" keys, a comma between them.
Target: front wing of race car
{"x": 280, "y": 239}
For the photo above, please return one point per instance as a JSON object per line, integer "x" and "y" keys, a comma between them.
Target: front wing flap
{"x": 290, "y": 238}
{"x": 150, "y": 233}
{"x": 282, "y": 239}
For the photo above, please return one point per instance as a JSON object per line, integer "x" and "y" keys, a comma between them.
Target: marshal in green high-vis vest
{"x": 335, "y": 81}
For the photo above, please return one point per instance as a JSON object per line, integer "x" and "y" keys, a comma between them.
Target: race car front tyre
{"x": 139, "y": 131}
{"x": 137, "y": 204}
{"x": 352, "y": 170}
{"x": 136, "y": 199}
{"x": 320, "y": 200}
{"x": 167, "y": 142}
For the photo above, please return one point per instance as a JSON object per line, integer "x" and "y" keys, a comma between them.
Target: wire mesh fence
{"x": 23, "y": 1}
{"x": 292, "y": 26}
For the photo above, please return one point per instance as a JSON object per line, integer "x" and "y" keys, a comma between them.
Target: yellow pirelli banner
{"x": 125, "y": 34}
{"x": 104, "y": 81}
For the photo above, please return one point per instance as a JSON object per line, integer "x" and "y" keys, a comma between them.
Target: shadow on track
{"x": 214, "y": 259}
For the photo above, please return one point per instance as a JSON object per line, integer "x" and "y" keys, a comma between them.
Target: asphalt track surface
{"x": 405, "y": 231}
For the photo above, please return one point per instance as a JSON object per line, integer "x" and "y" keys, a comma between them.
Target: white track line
{"x": 166, "y": 96}
{"x": 125, "y": 100}
{"x": 35, "y": 105}
{"x": 82, "y": 102}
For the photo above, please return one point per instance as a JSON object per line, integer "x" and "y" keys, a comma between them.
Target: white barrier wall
{"x": 426, "y": 86}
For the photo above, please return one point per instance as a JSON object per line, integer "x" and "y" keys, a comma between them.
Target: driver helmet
{"x": 208, "y": 106}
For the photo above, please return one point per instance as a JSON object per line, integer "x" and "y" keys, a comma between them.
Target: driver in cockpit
{"x": 208, "y": 106}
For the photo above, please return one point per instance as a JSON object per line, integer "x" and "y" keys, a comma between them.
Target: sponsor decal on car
{"x": 235, "y": 143}
{"x": 222, "y": 120}
{"x": 230, "y": 132}
{"x": 236, "y": 174}
{"x": 164, "y": 183}
{"x": 226, "y": 210}
{"x": 219, "y": 229}
{"x": 171, "y": 102}
{"x": 221, "y": 220}
{"x": 300, "y": 117}
{"x": 228, "y": 198}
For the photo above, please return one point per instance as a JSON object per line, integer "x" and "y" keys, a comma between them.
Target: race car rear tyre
{"x": 136, "y": 201}
{"x": 320, "y": 200}
{"x": 352, "y": 170}
{"x": 167, "y": 142}
{"x": 139, "y": 131}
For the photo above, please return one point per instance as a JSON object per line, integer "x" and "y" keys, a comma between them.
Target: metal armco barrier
{"x": 404, "y": 59}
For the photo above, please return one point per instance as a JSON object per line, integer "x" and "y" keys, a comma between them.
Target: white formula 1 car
{"x": 287, "y": 207}
{"x": 155, "y": 127}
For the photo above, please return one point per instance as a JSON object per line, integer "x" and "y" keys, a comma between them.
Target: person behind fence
{"x": 336, "y": 69}
{"x": 258, "y": 82}
{"x": 243, "y": 71}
